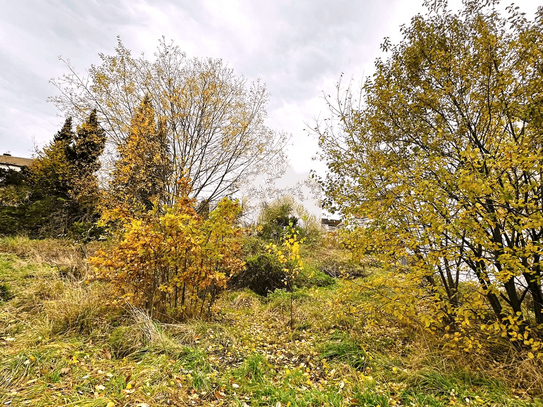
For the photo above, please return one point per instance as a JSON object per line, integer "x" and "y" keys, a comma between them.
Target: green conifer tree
{"x": 63, "y": 180}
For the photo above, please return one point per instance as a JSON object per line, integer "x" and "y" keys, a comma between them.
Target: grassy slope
{"x": 65, "y": 343}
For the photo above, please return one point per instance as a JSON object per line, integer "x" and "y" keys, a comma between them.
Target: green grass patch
{"x": 344, "y": 349}
{"x": 67, "y": 343}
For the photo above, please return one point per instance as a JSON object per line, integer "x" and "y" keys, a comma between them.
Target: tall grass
{"x": 66, "y": 341}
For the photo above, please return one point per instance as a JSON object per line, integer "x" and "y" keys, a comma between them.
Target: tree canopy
{"x": 441, "y": 160}
{"x": 212, "y": 119}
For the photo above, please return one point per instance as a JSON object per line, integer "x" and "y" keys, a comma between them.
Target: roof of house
{"x": 15, "y": 161}
{"x": 331, "y": 222}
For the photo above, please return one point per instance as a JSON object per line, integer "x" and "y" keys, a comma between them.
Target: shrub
{"x": 276, "y": 216}
{"x": 174, "y": 264}
{"x": 263, "y": 274}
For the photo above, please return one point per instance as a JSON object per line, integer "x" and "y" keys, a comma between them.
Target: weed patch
{"x": 344, "y": 349}
{"x": 64, "y": 342}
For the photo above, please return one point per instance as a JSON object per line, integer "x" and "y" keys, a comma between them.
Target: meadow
{"x": 65, "y": 340}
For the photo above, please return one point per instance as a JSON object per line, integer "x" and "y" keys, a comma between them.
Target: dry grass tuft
{"x": 140, "y": 333}
{"x": 81, "y": 308}
{"x": 246, "y": 300}
{"x": 68, "y": 257}
{"x": 526, "y": 375}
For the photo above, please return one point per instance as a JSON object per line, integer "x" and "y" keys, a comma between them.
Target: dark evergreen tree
{"x": 65, "y": 134}
{"x": 83, "y": 155}
{"x": 62, "y": 181}
{"x": 87, "y": 146}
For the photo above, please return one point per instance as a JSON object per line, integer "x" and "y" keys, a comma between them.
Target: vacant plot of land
{"x": 65, "y": 341}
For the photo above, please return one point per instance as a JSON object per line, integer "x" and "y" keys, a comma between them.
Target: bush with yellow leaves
{"x": 174, "y": 262}
{"x": 289, "y": 256}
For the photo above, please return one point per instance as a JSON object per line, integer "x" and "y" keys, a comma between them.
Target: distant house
{"x": 8, "y": 162}
{"x": 331, "y": 224}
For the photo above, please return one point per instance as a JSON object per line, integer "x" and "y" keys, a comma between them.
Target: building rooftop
{"x": 8, "y": 159}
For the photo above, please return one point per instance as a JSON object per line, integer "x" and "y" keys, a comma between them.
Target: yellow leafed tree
{"x": 441, "y": 162}
{"x": 143, "y": 169}
{"x": 212, "y": 120}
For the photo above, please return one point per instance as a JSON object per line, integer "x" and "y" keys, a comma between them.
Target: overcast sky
{"x": 297, "y": 48}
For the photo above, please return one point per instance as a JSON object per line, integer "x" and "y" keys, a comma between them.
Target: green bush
{"x": 5, "y": 292}
{"x": 274, "y": 218}
{"x": 277, "y": 215}
{"x": 262, "y": 274}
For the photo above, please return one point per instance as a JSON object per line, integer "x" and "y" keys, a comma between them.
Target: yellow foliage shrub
{"x": 173, "y": 263}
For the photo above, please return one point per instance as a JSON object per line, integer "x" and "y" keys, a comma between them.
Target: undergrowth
{"x": 65, "y": 342}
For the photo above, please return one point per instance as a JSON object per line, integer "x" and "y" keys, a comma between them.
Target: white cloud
{"x": 299, "y": 49}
